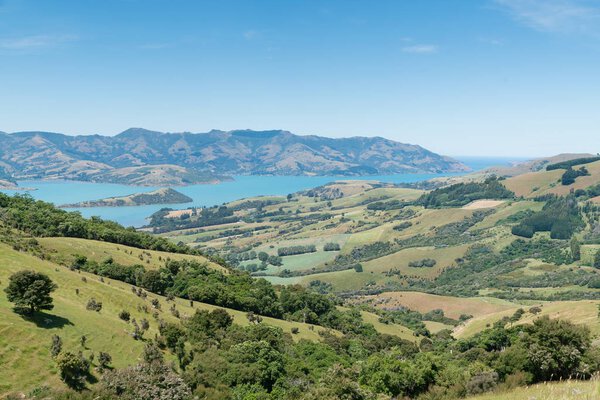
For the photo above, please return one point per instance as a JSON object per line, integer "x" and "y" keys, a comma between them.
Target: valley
{"x": 359, "y": 260}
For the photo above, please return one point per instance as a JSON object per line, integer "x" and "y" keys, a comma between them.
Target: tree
{"x": 152, "y": 354}
{"x": 575, "y": 249}
{"x": 56, "y": 346}
{"x": 262, "y": 256}
{"x": 30, "y": 291}
{"x": 597, "y": 259}
{"x": 93, "y": 305}
{"x": 104, "y": 359}
{"x": 73, "y": 369}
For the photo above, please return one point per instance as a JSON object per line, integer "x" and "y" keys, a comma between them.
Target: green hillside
{"x": 25, "y": 344}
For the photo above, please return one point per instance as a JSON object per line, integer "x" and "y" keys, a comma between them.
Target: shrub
{"x": 424, "y": 263}
{"x": 331, "y": 247}
{"x": 73, "y": 369}
{"x": 93, "y": 305}
{"x": 124, "y": 315}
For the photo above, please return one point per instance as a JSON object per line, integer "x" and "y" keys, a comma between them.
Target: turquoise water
{"x": 62, "y": 192}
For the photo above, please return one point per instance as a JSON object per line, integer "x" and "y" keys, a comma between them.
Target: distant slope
{"x": 538, "y": 183}
{"x": 160, "y": 196}
{"x": 206, "y": 156}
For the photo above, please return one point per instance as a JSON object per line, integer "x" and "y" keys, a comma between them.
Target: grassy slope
{"x": 579, "y": 312}
{"x": 24, "y": 345}
{"x": 453, "y": 307}
{"x": 64, "y": 250}
{"x": 568, "y": 390}
{"x": 548, "y": 181}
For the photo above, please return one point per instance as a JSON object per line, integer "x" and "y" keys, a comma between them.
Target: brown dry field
{"x": 453, "y": 307}
{"x": 478, "y": 204}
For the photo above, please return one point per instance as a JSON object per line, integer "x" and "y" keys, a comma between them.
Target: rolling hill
{"x": 160, "y": 196}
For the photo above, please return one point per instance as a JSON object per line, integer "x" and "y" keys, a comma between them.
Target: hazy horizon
{"x": 513, "y": 78}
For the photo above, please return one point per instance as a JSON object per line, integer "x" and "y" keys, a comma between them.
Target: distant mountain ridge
{"x": 47, "y": 155}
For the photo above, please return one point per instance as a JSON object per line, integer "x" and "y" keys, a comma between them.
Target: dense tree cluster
{"x": 461, "y": 194}
{"x": 294, "y": 250}
{"x": 560, "y": 216}
{"x": 571, "y": 175}
{"x": 222, "y": 360}
{"x": 160, "y": 222}
{"x": 571, "y": 163}
{"x": 42, "y": 219}
{"x": 424, "y": 263}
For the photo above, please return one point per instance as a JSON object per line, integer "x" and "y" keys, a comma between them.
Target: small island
{"x": 160, "y": 196}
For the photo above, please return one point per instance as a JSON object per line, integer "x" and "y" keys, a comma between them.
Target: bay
{"x": 63, "y": 192}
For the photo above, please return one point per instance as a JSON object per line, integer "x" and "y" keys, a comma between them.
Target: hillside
{"x": 139, "y": 156}
{"x": 383, "y": 282}
{"x": 70, "y": 319}
{"x": 362, "y": 238}
{"x": 160, "y": 196}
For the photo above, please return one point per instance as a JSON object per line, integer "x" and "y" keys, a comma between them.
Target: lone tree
{"x": 30, "y": 291}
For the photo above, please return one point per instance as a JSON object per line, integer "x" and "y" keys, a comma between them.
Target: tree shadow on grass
{"x": 47, "y": 321}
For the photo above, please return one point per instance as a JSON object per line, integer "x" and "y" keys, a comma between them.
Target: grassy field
{"x": 65, "y": 249}
{"x": 579, "y": 312}
{"x": 24, "y": 344}
{"x": 444, "y": 258}
{"x": 567, "y": 390}
{"x": 453, "y": 307}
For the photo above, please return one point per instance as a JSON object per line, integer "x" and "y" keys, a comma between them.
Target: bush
{"x": 151, "y": 382}
{"x": 73, "y": 369}
{"x": 331, "y": 247}
{"x": 124, "y": 315}
{"x": 93, "y": 305}
{"x": 424, "y": 263}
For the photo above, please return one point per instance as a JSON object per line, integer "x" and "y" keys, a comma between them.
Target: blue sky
{"x": 460, "y": 77}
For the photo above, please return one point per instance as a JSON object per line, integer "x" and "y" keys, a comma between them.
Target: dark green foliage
{"x": 124, "y": 315}
{"x": 145, "y": 381}
{"x": 386, "y": 205}
{"x": 104, "y": 360}
{"x": 571, "y": 175}
{"x": 331, "y": 247}
{"x": 424, "y": 263}
{"x": 571, "y": 163}
{"x": 402, "y": 226}
{"x": 293, "y": 250}
{"x": 216, "y": 215}
{"x": 73, "y": 369}
{"x": 56, "y": 346}
{"x": 597, "y": 259}
{"x": 463, "y": 193}
{"x": 93, "y": 305}
{"x": 42, "y": 219}
{"x": 30, "y": 291}
{"x": 575, "y": 249}
{"x": 560, "y": 216}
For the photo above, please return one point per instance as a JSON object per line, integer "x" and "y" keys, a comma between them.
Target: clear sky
{"x": 460, "y": 77}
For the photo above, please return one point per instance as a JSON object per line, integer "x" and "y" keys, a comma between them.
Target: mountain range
{"x": 143, "y": 157}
